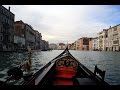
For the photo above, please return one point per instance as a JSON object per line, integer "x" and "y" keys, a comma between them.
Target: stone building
{"x": 90, "y": 44}
{"x": 69, "y": 46}
{"x": 40, "y": 36}
{"x": 73, "y": 46}
{"x": 103, "y": 40}
{"x": 26, "y": 33}
{"x": 6, "y": 29}
{"x": 38, "y": 39}
{"x": 61, "y": 46}
{"x": 44, "y": 45}
{"x": 95, "y": 44}
{"x": 77, "y": 44}
{"x": 19, "y": 35}
{"x": 29, "y": 36}
{"x": 84, "y": 43}
{"x": 53, "y": 46}
{"x": 114, "y": 38}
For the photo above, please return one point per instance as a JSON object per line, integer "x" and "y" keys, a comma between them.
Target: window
{"x": 115, "y": 42}
{"x": 115, "y": 34}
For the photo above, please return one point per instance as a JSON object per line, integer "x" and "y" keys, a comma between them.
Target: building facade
{"x": 53, "y": 46}
{"x": 38, "y": 39}
{"x": 44, "y": 45}
{"x": 90, "y": 44}
{"x": 61, "y": 46}
{"x": 84, "y": 43}
{"x": 25, "y": 36}
{"x": 29, "y": 36}
{"x": 95, "y": 44}
{"x": 6, "y": 29}
{"x": 114, "y": 38}
{"x": 77, "y": 47}
{"x": 19, "y": 35}
{"x": 102, "y": 40}
{"x": 73, "y": 45}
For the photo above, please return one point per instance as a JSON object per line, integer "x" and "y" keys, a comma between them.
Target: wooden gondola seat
{"x": 60, "y": 81}
{"x": 86, "y": 81}
{"x": 64, "y": 72}
{"x": 66, "y": 69}
{"x": 64, "y": 76}
{"x": 90, "y": 81}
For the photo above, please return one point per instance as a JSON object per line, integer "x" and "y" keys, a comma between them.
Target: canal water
{"x": 108, "y": 61}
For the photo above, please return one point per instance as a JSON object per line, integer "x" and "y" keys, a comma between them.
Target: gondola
{"x": 62, "y": 70}
{"x": 66, "y": 70}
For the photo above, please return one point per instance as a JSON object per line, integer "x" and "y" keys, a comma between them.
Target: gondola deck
{"x": 62, "y": 70}
{"x": 66, "y": 70}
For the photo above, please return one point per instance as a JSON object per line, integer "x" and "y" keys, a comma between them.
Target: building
{"x": 53, "y": 46}
{"x": 69, "y": 46}
{"x": 26, "y": 36}
{"x": 19, "y": 35}
{"x": 61, "y": 46}
{"x": 73, "y": 46}
{"x": 114, "y": 38}
{"x": 29, "y": 36}
{"x": 38, "y": 39}
{"x": 84, "y": 43}
{"x": 44, "y": 45}
{"x": 77, "y": 44}
{"x": 102, "y": 40}
{"x": 118, "y": 28}
{"x": 90, "y": 44}
{"x": 26, "y": 33}
{"x": 6, "y": 29}
{"x": 95, "y": 44}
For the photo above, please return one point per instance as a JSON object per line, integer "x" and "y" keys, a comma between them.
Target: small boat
{"x": 66, "y": 70}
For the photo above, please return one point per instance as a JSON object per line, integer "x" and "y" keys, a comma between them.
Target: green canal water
{"x": 108, "y": 61}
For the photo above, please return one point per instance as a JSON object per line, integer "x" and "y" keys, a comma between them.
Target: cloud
{"x": 62, "y": 23}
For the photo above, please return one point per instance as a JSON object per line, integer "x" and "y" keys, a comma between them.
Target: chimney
{"x": 9, "y": 8}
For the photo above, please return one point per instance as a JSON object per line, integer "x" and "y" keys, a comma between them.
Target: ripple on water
{"x": 108, "y": 61}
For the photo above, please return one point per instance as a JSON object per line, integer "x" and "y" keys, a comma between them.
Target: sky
{"x": 67, "y": 23}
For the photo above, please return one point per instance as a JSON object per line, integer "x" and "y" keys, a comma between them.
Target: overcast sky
{"x": 67, "y": 23}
